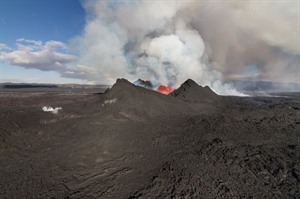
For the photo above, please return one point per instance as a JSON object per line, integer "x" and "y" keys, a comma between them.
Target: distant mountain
{"x": 9, "y": 85}
{"x": 16, "y": 86}
{"x": 191, "y": 91}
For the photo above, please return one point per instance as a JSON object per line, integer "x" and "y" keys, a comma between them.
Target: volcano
{"x": 141, "y": 101}
{"x": 133, "y": 142}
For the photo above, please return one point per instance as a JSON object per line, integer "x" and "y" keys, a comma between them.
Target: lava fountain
{"x": 164, "y": 89}
{"x": 149, "y": 85}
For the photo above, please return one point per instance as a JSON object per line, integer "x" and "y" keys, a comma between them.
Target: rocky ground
{"x": 134, "y": 143}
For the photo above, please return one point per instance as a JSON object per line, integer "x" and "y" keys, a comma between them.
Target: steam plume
{"x": 163, "y": 41}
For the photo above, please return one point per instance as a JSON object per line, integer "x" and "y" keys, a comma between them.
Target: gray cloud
{"x": 263, "y": 33}
{"x": 170, "y": 41}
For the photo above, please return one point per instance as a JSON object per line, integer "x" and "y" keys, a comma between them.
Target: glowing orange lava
{"x": 164, "y": 89}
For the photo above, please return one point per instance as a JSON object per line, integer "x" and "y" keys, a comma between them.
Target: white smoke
{"x": 51, "y": 109}
{"x": 144, "y": 40}
{"x": 162, "y": 40}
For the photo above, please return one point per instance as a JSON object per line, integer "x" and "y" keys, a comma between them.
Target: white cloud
{"x": 48, "y": 56}
{"x": 54, "y": 45}
{"x": 4, "y": 47}
{"x": 33, "y": 44}
{"x": 43, "y": 57}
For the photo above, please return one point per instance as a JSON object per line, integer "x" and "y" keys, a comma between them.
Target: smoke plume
{"x": 170, "y": 41}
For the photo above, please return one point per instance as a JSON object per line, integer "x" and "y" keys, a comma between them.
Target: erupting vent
{"x": 165, "y": 89}
{"x": 149, "y": 85}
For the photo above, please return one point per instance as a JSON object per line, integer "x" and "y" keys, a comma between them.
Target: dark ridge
{"x": 210, "y": 91}
{"x": 190, "y": 83}
{"x": 125, "y": 89}
{"x": 191, "y": 91}
{"x": 121, "y": 85}
{"x": 19, "y": 86}
{"x": 186, "y": 85}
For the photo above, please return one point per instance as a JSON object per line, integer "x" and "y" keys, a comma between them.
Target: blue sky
{"x": 41, "y": 20}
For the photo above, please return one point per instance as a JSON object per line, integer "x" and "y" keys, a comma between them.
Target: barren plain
{"x": 130, "y": 142}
